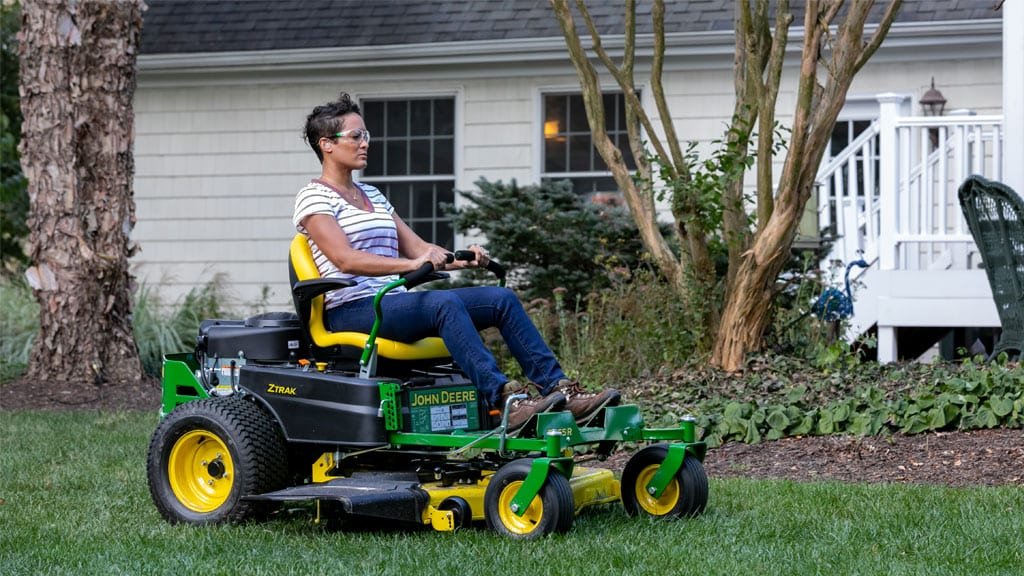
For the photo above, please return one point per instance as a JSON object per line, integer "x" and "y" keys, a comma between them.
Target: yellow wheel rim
{"x": 530, "y": 519}
{"x": 650, "y": 504}
{"x": 200, "y": 471}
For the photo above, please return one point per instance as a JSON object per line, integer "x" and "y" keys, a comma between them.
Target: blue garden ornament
{"x": 834, "y": 305}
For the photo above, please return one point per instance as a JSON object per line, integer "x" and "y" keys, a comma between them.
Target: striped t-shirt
{"x": 373, "y": 232}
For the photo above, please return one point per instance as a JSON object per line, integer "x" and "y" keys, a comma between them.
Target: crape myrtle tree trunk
{"x": 709, "y": 208}
{"x": 77, "y": 82}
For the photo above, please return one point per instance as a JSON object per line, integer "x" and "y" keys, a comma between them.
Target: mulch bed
{"x": 973, "y": 458}
{"x": 25, "y": 394}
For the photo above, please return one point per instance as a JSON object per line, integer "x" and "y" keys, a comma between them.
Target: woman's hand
{"x": 479, "y": 260}
{"x": 482, "y": 257}
{"x": 435, "y": 255}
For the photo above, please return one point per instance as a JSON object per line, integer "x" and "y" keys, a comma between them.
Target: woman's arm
{"x": 331, "y": 240}
{"x": 411, "y": 245}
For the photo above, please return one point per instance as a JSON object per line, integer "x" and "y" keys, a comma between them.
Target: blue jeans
{"x": 457, "y": 316}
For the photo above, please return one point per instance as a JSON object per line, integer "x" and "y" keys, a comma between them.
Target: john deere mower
{"x": 276, "y": 408}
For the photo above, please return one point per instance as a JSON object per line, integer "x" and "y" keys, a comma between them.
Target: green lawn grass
{"x": 73, "y": 500}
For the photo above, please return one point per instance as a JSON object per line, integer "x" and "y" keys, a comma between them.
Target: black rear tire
{"x": 207, "y": 454}
{"x": 686, "y": 495}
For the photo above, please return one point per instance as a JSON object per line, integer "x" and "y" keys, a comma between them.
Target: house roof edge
{"x": 939, "y": 36}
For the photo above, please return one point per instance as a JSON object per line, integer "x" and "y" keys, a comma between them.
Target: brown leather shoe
{"x": 523, "y": 409}
{"x": 585, "y": 405}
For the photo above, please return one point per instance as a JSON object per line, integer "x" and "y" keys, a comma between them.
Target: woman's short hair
{"x": 325, "y": 121}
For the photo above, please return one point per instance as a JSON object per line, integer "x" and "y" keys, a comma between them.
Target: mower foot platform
{"x": 367, "y": 496}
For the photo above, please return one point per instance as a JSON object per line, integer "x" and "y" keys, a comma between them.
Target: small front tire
{"x": 550, "y": 511}
{"x": 685, "y": 496}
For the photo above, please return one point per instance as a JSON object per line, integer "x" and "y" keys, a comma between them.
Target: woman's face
{"x": 348, "y": 150}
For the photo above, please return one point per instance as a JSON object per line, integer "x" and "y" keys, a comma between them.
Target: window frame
{"x": 540, "y": 158}
{"x": 381, "y": 181}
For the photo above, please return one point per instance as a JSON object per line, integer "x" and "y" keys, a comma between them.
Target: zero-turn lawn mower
{"x": 275, "y": 408}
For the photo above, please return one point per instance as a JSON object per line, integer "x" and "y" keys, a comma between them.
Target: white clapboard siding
{"x": 189, "y": 188}
{"x": 216, "y": 173}
{"x": 220, "y": 157}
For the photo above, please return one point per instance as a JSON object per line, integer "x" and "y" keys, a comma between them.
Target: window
{"x": 412, "y": 161}
{"x": 569, "y": 151}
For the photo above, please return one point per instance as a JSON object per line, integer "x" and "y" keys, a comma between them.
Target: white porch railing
{"x": 848, "y": 199}
{"x": 923, "y": 161}
{"x": 935, "y": 155}
{"x": 892, "y": 193}
{"x": 891, "y": 198}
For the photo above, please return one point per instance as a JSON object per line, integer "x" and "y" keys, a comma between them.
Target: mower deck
{"x": 401, "y": 497}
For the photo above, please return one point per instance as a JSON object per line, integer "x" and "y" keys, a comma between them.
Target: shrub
{"x": 158, "y": 329}
{"x": 19, "y": 320}
{"x": 13, "y": 186}
{"x": 551, "y": 236}
{"x": 630, "y": 329}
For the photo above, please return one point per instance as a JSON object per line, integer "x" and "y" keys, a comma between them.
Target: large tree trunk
{"x": 755, "y": 257}
{"x": 77, "y": 83}
{"x": 842, "y": 54}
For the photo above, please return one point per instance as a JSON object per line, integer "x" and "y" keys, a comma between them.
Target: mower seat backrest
{"x": 995, "y": 215}
{"x": 302, "y": 267}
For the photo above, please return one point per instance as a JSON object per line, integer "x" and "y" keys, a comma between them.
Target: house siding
{"x": 220, "y": 157}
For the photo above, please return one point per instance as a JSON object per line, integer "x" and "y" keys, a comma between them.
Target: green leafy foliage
{"x": 159, "y": 329}
{"x": 630, "y": 328}
{"x": 13, "y": 186}
{"x": 551, "y": 236}
{"x": 781, "y": 397}
{"x": 18, "y": 325}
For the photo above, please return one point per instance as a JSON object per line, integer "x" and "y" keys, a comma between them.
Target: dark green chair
{"x": 995, "y": 215}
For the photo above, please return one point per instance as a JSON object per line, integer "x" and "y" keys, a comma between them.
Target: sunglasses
{"x": 356, "y": 135}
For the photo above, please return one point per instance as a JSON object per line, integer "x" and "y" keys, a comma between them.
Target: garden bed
{"x": 978, "y": 457}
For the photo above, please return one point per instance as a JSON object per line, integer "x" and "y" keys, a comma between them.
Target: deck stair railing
{"x": 891, "y": 198}
{"x": 934, "y": 156}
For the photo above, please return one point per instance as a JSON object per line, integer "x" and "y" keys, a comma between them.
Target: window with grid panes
{"x": 569, "y": 151}
{"x": 412, "y": 161}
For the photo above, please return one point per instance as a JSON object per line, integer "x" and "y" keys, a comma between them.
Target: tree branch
{"x": 626, "y": 84}
{"x": 766, "y": 126}
{"x": 657, "y": 65}
{"x": 640, "y": 201}
{"x": 880, "y": 33}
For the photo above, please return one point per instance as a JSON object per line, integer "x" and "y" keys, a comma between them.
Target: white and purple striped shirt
{"x": 372, "y": 231}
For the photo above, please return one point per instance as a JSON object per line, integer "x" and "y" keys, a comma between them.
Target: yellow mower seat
{"x": 302, "y": 263}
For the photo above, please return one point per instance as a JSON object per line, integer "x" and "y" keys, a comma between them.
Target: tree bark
{"x": 751, "y": 291}
{"x": 77, "y": 83}
{"x": 757, "y": 256}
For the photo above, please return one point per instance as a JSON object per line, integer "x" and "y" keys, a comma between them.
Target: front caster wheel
{"x": 550, "y": 511}
{"x": 685, "y": 496}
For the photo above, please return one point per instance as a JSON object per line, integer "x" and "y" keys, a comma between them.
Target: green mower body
{"x": 253, "y": 418}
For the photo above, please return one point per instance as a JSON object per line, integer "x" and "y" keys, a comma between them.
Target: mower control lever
{"x": 497, "y": 269}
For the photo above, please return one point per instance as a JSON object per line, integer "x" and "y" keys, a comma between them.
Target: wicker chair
{"x": 995, "y": 215}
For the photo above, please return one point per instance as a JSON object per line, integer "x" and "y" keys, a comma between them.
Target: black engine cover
{"x": 319, "y": 407}
{"x": 271, "y": 337}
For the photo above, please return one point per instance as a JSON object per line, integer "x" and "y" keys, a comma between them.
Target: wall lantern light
{"x": 933, "y": 103}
